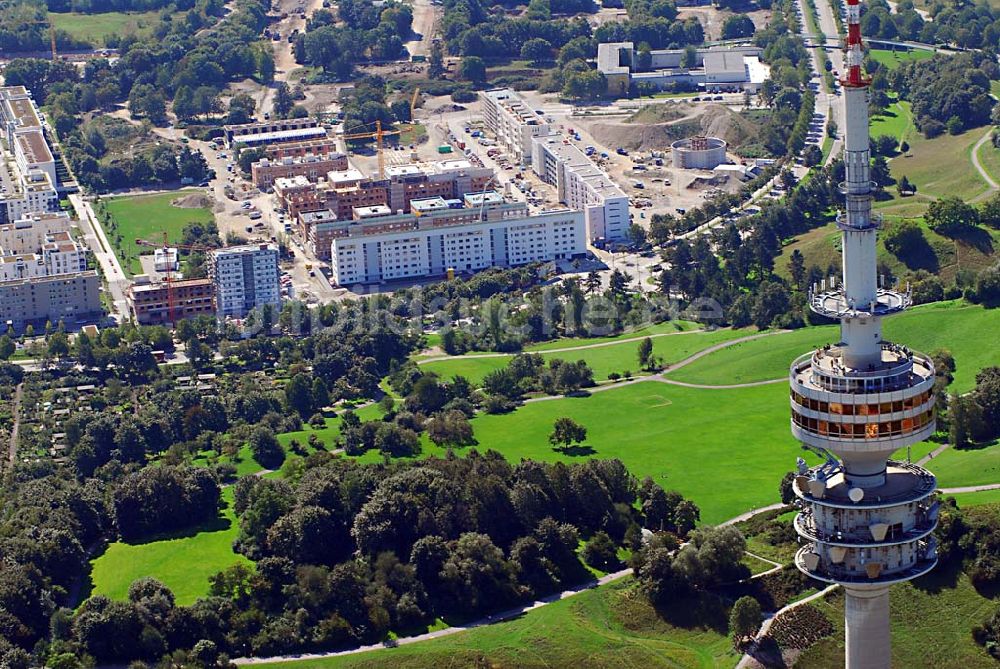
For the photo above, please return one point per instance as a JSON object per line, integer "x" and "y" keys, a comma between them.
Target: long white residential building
{"x": 473, "y": 234}
{"x": 582, "y": 185}
{"x": 513, "y": 122}
{"x": 245, "y": 277}
{"x": 27, "y": 169}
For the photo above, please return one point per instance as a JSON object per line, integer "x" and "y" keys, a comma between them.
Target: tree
{"x": 904, "y": 187}
{"x": 472, "y": 68}
{"x": 689, "y": 58}
{"x": 637, "y": 234}
{"x": 435, "y": 67}
{"x": 7, "y": 347}
{"x": 593, "y": 282}
{"x": 299, "y": 395}
{"x": 904, "y": 239}
{"x": 645, "y": 352}
{"x": 601, "y": 553}
{"x": 565, "y": 432}
{"x": 989, "y": 212}
{"x": 265, "y": 448}
{"x": 988, "y": 286}
{"x": 950, "y": 216}
{"x": 812, "y": 155}
{"x": 537, "y": 50}
{"x": 797, "y": 269}
{"x": 744, "y": 620}
{"x": 785, "y": 489}
{"x": 736, "y": 26}
{"x": 450, "y": 428}
{"x": 880, "y": 172}
{"x": 283, "y": 100}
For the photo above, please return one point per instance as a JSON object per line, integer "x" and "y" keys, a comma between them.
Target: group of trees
{"x": 975, "y": 417}
{"x": 368, "y": 32}
{"x": 348, "y": 552}
{"x": 947, "y": 92}
{"x": 712, "y": 557}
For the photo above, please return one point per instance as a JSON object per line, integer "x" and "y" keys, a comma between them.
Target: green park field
{"x": 94, "y": 28}
{"x": 148, "y": 217}
{"x": 952, "y": 325}
{"x": 183, "y": 562}
{"x": 897, "y": 121}
{"x": 603, "y": 356}
{"x": 968, "y": 466}
{"x": 608, "y": 628}
{"x": 894, "y": 58}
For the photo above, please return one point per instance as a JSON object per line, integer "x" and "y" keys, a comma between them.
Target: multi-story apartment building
{"x": 245, "y": 277}
{"x": 27, "y": 234}
{"x": 513, "y": 122}
{"x": 343, "y": 192}
{"x": 312, "y": 167}
{"x": 57, "y": 255}
{"x": 475, "y": 233}
{"x": 150, "y": 302}
{"x": 27, "y": 169}
{"x": 581, "y": 185}
{"x": 273, "y": 132}
{"x": 66, "y": 297}
{"x": 322, "y": 146}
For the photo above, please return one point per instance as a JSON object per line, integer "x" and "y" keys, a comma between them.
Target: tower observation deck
{"x": 866, "y": 521}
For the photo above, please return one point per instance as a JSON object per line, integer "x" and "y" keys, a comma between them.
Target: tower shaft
{"x": 866, "y": 521}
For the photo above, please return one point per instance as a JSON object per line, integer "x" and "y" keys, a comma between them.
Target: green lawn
{"x": 893, "y": 59}
{"x": 608, "y": 628}
{"x": 183, "y": 562}
{"x": 963, "y": 467}
{"x": 897, "y": 121}
{"x": 932, "y": 620}
{"x": 953, "y": 325}
{"x": 94, "y": 28}
{"x": 989, "y": 158}
{"x": 725, "y": 449}
{"x": 327, "y": 435}
{"x": 148, "y": 217}
{"x": 615, "y": 357}
{"x": 967, "y": 499}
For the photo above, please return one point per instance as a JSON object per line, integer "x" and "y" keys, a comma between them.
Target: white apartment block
{"x": 513, "y": 122}
{"x": 245, "y": 277}
{"x": 581, "y": 185}
{"x": 58, "y": 255}
{"x": 27, "y": 234}
{"x": 486, "y": 232}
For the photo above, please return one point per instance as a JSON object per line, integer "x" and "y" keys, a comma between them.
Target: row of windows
{"x": 861, "y": 409}
{"x": 864, "y": 430}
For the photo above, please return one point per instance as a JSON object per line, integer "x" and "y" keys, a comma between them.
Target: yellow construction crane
{"x": 377, "y": 135}
{"x": 413, "y": 102}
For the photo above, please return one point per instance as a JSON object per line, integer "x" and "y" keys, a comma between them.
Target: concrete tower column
{"x": 866, "y": 618}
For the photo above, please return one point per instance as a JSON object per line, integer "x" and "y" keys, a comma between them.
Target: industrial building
{"x": 698, "y": 153}
{"x": 512, "y": 122}
{"x": 714, "y": 69}
{"x": 312, "y": 167}
{"x": 150, "y": 302}
{"x": 479, "y": 231}
{"x": 582, "y": 185}
{"x": 273, "y": 132}
{"x": 866, "y": 522}
{"x": 245, "y": 277}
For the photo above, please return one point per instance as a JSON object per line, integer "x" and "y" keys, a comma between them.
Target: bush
{"x": 463, "y": 95}
{"x": 600, "y": 553}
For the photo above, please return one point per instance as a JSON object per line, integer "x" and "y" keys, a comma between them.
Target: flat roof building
{"x": 435, "y": 237}
{"x": 273, "y": 132}
{"x": 714, "y": 69}
{"x": 245, "y": 278}
{"x": 582, "y": 185}
{"x": 512, "y": 121}
{"x": 312, "y": 167}
{"x": 28, "y": 233}
{"x": 150, "y": 301}
{"x": 70, "y": 298}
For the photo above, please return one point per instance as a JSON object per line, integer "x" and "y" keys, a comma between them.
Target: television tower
{"x": 866, "y": 520}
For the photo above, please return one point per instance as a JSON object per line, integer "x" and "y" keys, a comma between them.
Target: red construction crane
{"x": 168, "y": 275}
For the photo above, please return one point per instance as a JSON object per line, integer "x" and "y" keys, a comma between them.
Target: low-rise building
{"x": 245, "y": 277}
{"x": 714, "y": 69}
{"x": 582, "y": 185}
{"x": 273, "y": 132}
{"x": 150, "y": 301}
{"x": 514, "y": 123}
{"x": 322, "y": 146}
{"x": 312, "y": 167}
{"x": 378, "y": 245}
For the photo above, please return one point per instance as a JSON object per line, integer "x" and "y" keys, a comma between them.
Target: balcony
{"x": 805, "y": 526}
{"x": 830, "y": 573}
{"x": 905, "y": 482}
{"x": 834, "y": 304}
